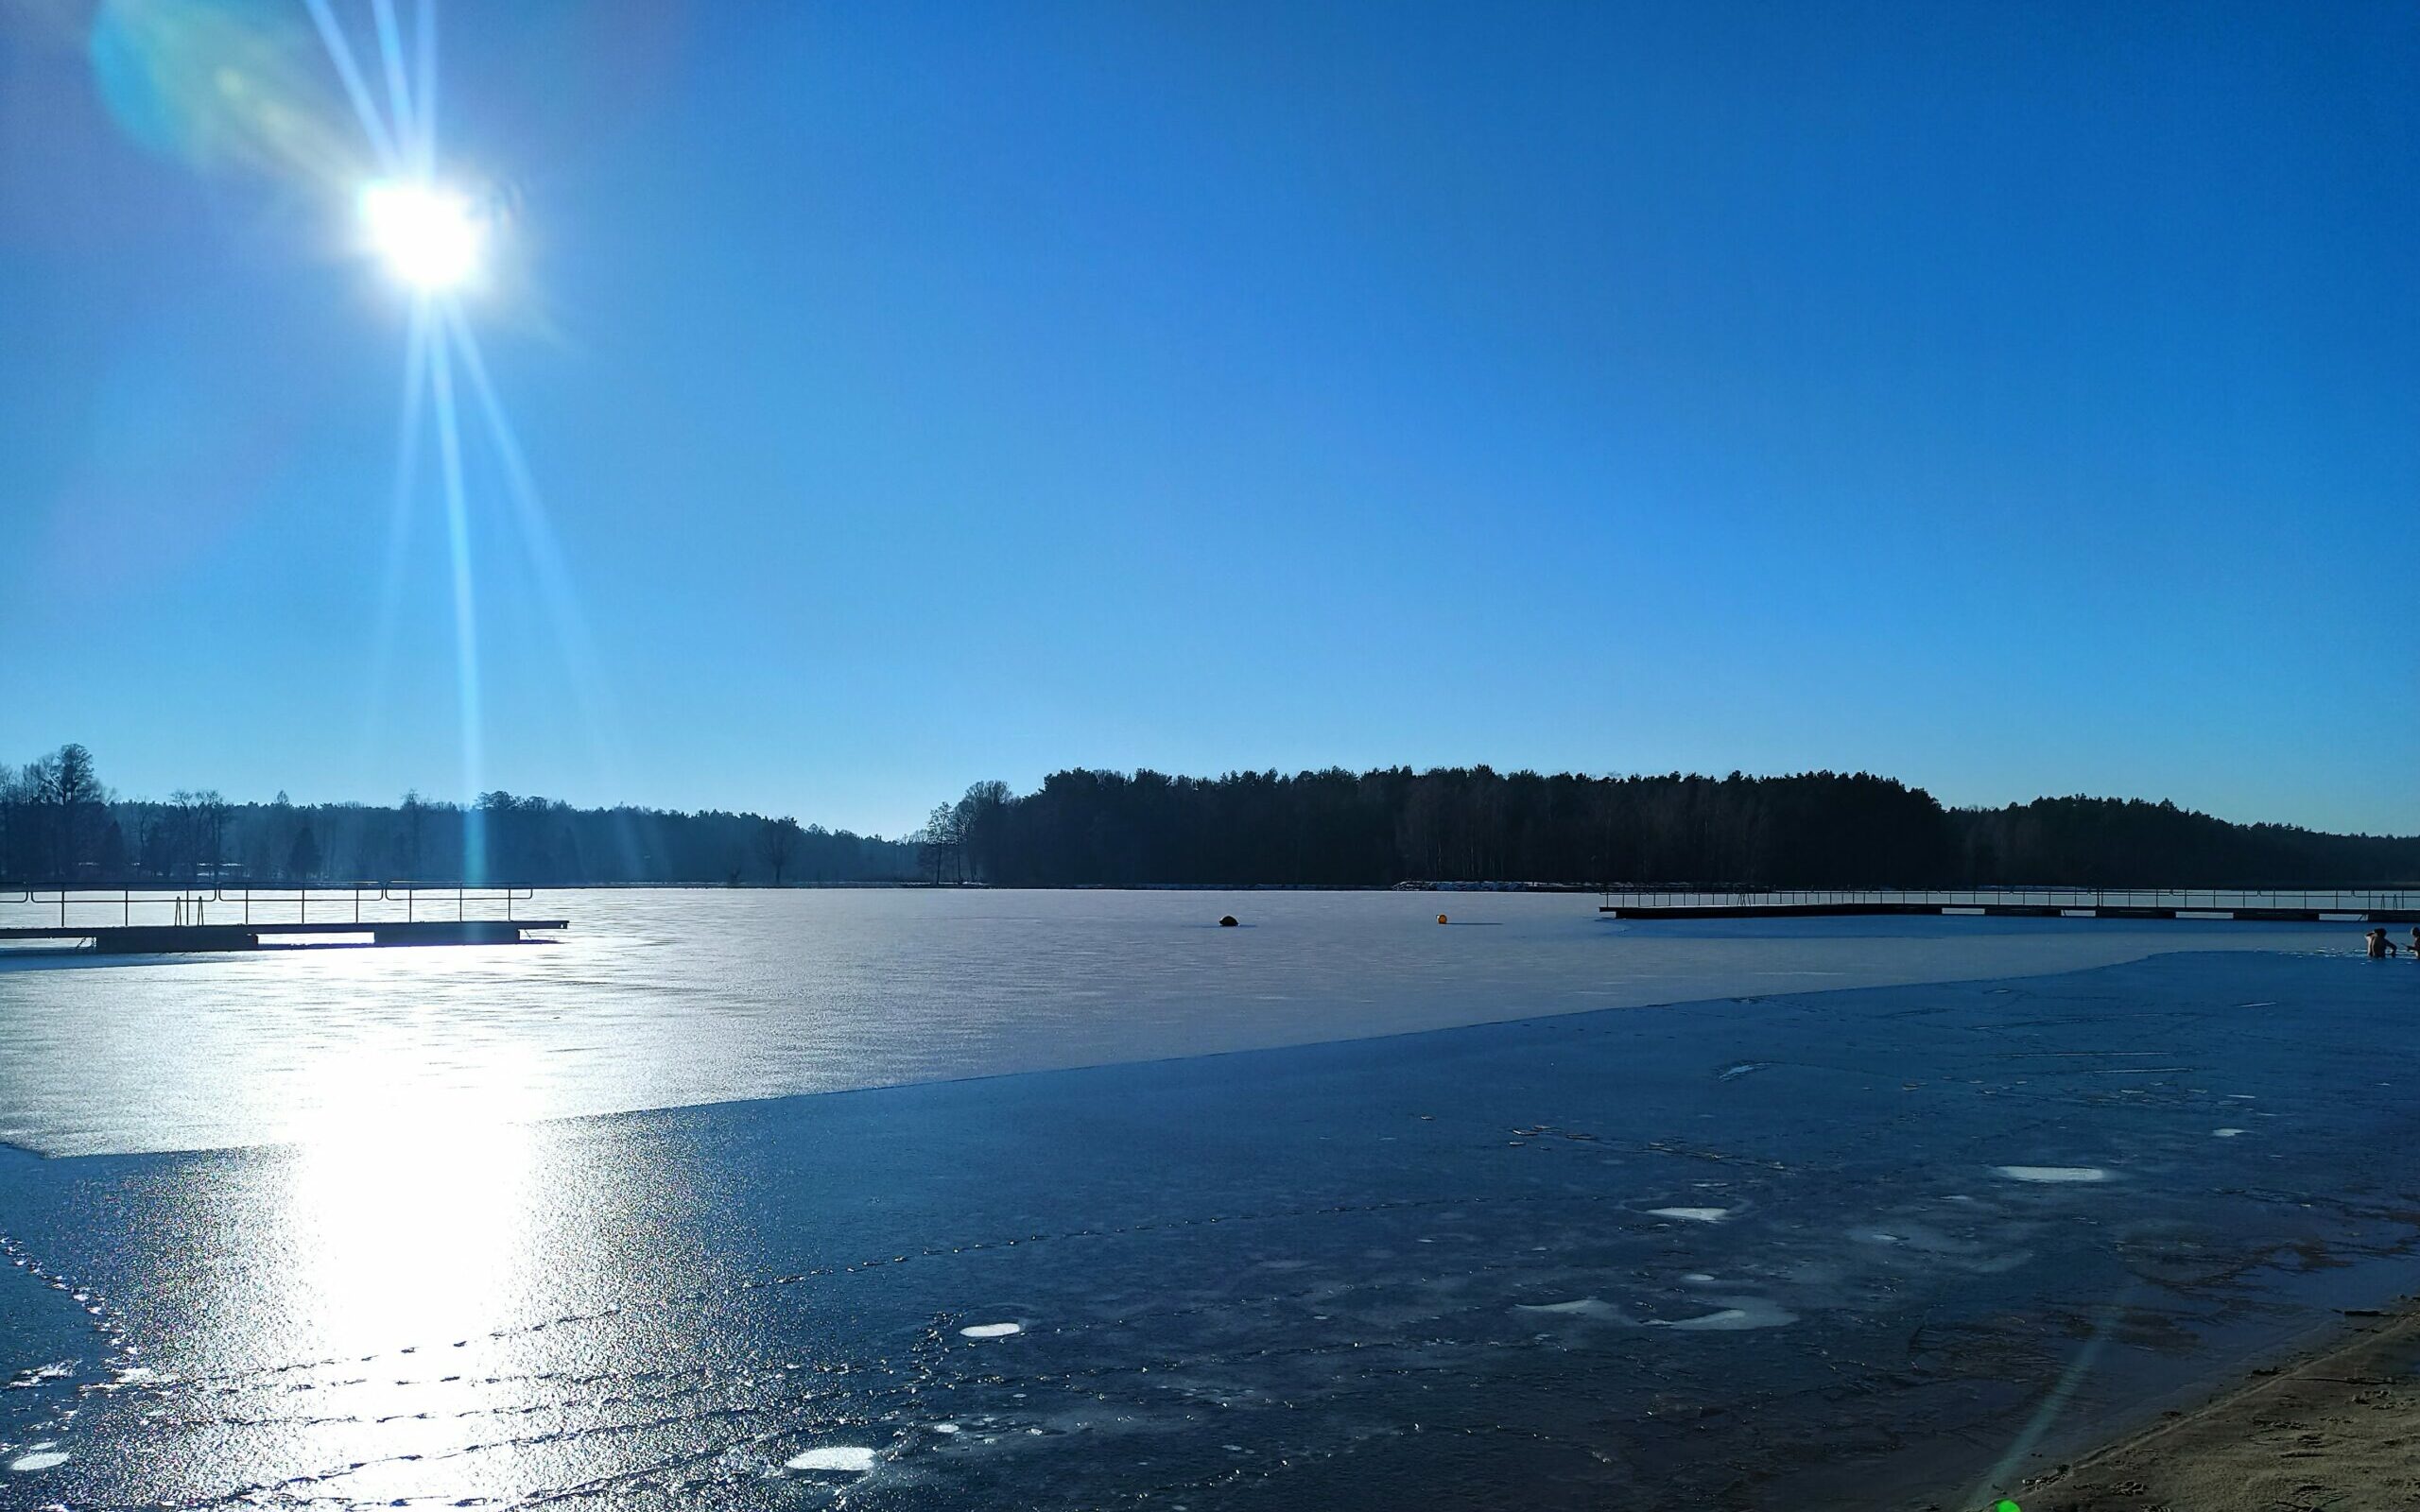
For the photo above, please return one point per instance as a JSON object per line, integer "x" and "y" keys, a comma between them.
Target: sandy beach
{"x": 2337, "y": 1429}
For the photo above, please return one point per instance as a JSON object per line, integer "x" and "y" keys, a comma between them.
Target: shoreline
{"x": 2334, "y": 1424}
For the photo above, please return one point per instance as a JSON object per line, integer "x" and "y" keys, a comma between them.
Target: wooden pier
{"x": 262, "y": 919}
{"x": 2384, "y": 906}
{"x": 170, "y": 939}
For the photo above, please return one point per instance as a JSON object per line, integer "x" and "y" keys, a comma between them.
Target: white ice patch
{"x": 1744, "y": 1312}
{"x": 945, "y": 1428}
{"x": 2052, "y": 1173}
{"x": 990, "y": 1331}
{"x": 1736, "y": 1312}
{"x": 2226, "y": 1133}
{"x": 1691, "y": 1214}
{"x": 41, "y": 1459}
{"x": 835, "y": 1457}
{"x": 1585, "y": 1306}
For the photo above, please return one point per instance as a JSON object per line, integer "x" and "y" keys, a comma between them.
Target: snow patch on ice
{"x": 1744, "y": 1312}
{"x": 1584, "y": 1307}
{"x": 835, "y": 1457}
{"x": 1736, "y": 1312}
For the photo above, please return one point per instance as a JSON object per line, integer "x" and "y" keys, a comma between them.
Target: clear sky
{"x": 2016, "y": 399}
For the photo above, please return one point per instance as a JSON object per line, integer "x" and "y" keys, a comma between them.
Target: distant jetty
{"x": 2346, "y": 906}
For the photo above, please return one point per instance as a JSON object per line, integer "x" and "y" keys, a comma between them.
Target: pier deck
{"x": 150, "y": 921}
{"x": 2386, "y": 907}
{"x": 162, "y": 939}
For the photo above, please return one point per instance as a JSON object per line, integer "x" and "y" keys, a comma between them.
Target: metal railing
{"x": 2190, "y": 900}
{"x": 360, "y": 903}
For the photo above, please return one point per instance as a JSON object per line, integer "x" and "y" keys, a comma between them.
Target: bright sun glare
{"x": 427, "y": 236}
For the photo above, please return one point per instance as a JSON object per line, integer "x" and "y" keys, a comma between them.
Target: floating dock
{"x": 169, "y": 939}
{"x": 2348, "y": 907}
{"x": 134, "y": 921}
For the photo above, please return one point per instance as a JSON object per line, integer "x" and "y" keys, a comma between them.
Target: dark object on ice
{"x": 1226, "y": 920}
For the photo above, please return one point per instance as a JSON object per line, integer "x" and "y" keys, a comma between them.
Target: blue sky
{"x": 2012, "y": 399}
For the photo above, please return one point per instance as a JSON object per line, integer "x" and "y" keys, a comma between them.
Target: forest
{"x": 61, "y": 825}
{"x": 1378, "y": 828}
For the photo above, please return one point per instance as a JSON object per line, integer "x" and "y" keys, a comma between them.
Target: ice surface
{"x": 2052, "y": 1174}
{"x": 676, "y": 997}
{"x": 41, "y": 1459}
{"x": 1292, "y": 1251}
{"x": 1691, "y": 1214}
{"x": 992, "y": 1331}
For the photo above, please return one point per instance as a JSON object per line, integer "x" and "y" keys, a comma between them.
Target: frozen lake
{"x": 662, "y": 999}
{"x": 1872, "y": 1213}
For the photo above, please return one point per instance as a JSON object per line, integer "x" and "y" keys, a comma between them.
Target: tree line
{"x": 62, "y": 826}
{"x": 1338, "y": 828}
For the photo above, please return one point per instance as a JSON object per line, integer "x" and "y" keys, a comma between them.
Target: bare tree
{"x": 941, "y": 845}
{"x": 303, "y": 857}
{"x": 414, "y": 812}
{"x": 975, "y": 824}
{"x": 777, "y": 840}
{"x": 74, "y": 794}
{"x": 211, "y": 809}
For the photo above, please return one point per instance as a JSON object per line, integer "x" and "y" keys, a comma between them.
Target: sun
{"x": 428, "y": 236}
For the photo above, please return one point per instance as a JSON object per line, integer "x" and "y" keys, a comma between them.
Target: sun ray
{"x": 399, "y": 520}
{"x": 426, "y": 97}
{"x": 399, "y": 95}
{"x": 538, "y": 538}
{"x": 466, "y": 629}
{"x": 341, "y": 53}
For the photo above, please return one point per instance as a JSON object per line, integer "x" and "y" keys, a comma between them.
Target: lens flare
{"x": 429, "y": 237}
